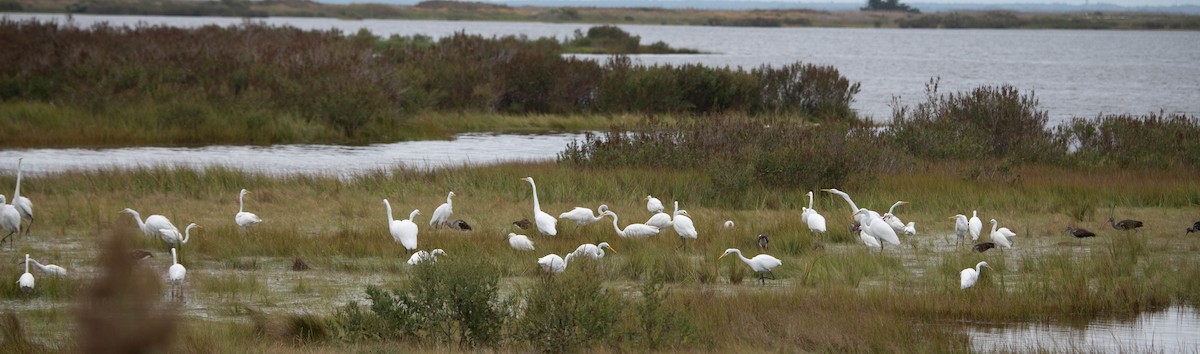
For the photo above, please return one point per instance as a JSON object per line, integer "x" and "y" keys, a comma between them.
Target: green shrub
{"x": 569, "y": 312}
{"x": 1154, "y": 140}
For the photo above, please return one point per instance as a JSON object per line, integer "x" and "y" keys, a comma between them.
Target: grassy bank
{"x": 842, "y": 297}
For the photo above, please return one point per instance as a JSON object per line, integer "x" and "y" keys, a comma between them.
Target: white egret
{"x": 153, "y": 223}
{"x": 869, "y": 240}
{"x": 584, "y": 216}
{"x": 968, "y": 276}
{"x": 545, "y": 223}
{"x": 554, "y": 264}
{"x": 684, "y": 227}
{"x": 174, "y": 239}
{"x": 910, "y": 228}
{"x": 632, "y": 230}
{"x": 176, "y": 272}
{"x": 761, "y": 264}
{"x": 10, "y": 219}
{"x": 660, "y": 220}
{"x": 810, "y": 216}
{"x": 441, "y": 215}
{"x": 23, "y": 204}
{"x": 653, "y": 205}
{"x": 520, "y": 242}
{"x": 876, "y": 227}
{"x": 593, "y": 251}
{"x": 960, "y": 228}
{"x": 1000, "y": 237}
{"x": 403, "y": 231}
{"x": 422, "y": 256}
{"x": 26, "y": 280}
{"x": 893, "y": 220}
{"x": 48, "y": 268}
{"x": 854, "y": 207}
{"x": 975, "y": 226}
{"x": 729, "y": 224}
{"x": 245, "y": 219}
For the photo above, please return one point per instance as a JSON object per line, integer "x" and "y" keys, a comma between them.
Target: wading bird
{"x": 176, "y": 272}
{"x": 1080, "y": 233}
{"x": 460, "y": 225}
{"x": 243, "y": 218}
{"x": 24, "y": 205}
{"x": 761, "y": 264}
{"x": 554, "y": 264}
{"x": 1124, "y": 225}
{"x": 10, "y": 219}
{"x": 583, "y": 216}
{"x": 592, "y": 251}
{"x": 441, "y": 215}
{"x": 174, "y": 239}
{"x": 632, "y": 230}
{"x": 661, "y": 220}
{"x": 729, "y": 224}
{"x": 422, "y": 256}
{"x": 879, "y": 229}
{"x": 911, "y": 228}
{"x": 983, "y": 246}
{"x": 1195, "y": 228}
{"x": 520, "y": 242}
{"x": 763, "y": 240}
{"x": 403, "y": 231}
{"x": 48, "y": 268}
{"x": 545, "y": 223}
{"x": 968, "y": 276}
{"x": 683, "y": 226}
{"x": 893, "y": 220}
{"x": 26, "y": 280}
{"x": 811, "y": 218}
{"x": 153, "y": 224}
{"x": 975, "y": 226}
{"x": 1001, "y": 236}
{"x": 960, "y": 228}
{"x": 138, "y": 255}
{"x": 861, "y": 220}
{"x": 869, "y": 240}
{"x": 653, "y": 205}
{"x": 523, "y": 224}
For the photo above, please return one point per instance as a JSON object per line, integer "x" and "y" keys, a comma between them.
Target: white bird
{"x": 177, "y": 272}
{"x": 174, "y": 239}
{"x": 520, "y": 242}
{"x": 729, "y": 224}
{"x": 583, "y": 216}
{"x": 632, "y": 230}
{"x": 23, "y": 204}
{"x": 554, "y": 264}
{"x": 910, "y": 228}
{"x": 26, "y": 280}
{"x": 245, "y": 219}
{"x": 854, "y": 207}
{"x": 422, "y": 256}
{"x": 545, "y": 223}
{"x": 869, "y": 240}
{"x": 441, "y": 215}
{"x": 893, "y": 220}
{"x": 761, "y": 264}
{"x": 968, "y": 276}
{"x": 48, "y": 268}
{"x": 684, "y": 227}
{"x": 10, "y": 219}
{"x": 593, "y": 251}
{"x": 403, "y": 231}
{"x": 975, "y": 226}
{"x": 661, "y": 220}
{"x": 653, "y": 204}
{"x": 960, "y": 227}
{"x": 1000, "y": 237}
{"x": 810, "y": 217}
{"x": 153, "y": 224}
{"x": 876, "y": 227}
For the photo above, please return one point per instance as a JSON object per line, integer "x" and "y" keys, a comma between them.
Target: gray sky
{"x": 1072, "y": 2}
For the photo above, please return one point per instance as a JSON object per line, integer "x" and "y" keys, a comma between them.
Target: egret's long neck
{"x": 241, "y": 202}
{"x": 138, "y": 217}
{"x": 27, "y": 263}
{"x": 37, "y": 264}
{"x": 615, "y": 227}
{"x": 810, "y": 200}
{"x": 993, "y": 228}
{"x": 744, "y": 259}
{"x": 853, "y": 207}
{"x": 389, "y": 210}
{"x": 174, "y": 257}
{"x": 449, "y": 199}
{"x": 892, "y": 210}
{"x": 536, "y": 207}
{"x": 412, "y": 215}
{"x": 978, "y": 267}
{"x": 187, "y": 233}
{"x": 17, "y": 192}
{"x": 676, "y": 208}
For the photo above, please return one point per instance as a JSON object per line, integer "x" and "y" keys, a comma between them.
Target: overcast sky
{"x": 1072, "y": 2}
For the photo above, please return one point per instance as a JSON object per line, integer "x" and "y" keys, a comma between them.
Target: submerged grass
{"x": 841, "y": 297}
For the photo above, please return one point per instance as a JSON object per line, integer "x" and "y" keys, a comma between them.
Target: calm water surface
{"x": 1176, "y": 330}
{"x": 1072, "y": 72}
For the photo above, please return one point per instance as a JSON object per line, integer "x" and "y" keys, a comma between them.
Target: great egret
{"x": 1000, "y": 237}
{"x": 422, "y": 256}
{"x": 729, "y": 224}
{"x": 653, "y": 205}
{"x": 893, "y": 220}
{"x": 1080, "y": 233}
{"x": 26, "y": 280}
{"x": 910, "y": 228}
{"x": 23, "y": 204}
{"x": 960, "y": 228}
{"x": 10, "y": 219}
{"x": 243, "y": 218}
{"x": 583, "y": 216}
{"x": 460, "y": 225}
{"x": 810, "y": 216}
{"x": 763, "y": 241}
{"x": 153, "y": 223}
{"x": 983, "y": 246}
{"x": 441, "y": 215}
{"x": 174, "y": 239}
{"x": 968, "y": 276}
{"x": 684, "y": 227}
{"x": 403, "y": 231}
{"x": 876, "y": 227}
{"x": 176, "y": 272}
{"x": 761, "y": 264}
{"x": 854, "y": 207}
{"x": 520, "y": 242}
{"x": 869, "y": 240}
{"x": 632, "y": 230}
{"x": 545, "y": 223}
{"x": 593, "y": 251}
{"x": 1124, "y": 225}
{"x": 48, "y": 268}
{"x": 975, "y": 226}
{"x": 554, "y": 264}
{"x": 662, "y": 220}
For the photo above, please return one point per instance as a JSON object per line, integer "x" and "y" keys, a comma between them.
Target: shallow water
{"x": 1175, "y": 330}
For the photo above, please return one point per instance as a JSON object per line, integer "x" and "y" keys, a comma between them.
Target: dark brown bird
{"x": 763, "y": 240}
{"x": 1080, "y": 233}
{"x": 522, "y": 224}
{"x": 1195, "y": 228}
{"x": 983, "y": 246}
{"x": 460, "y": 225}
{"x": 1124, "y": 225}
{"x": 299, "y": 265}
{"x": 138, "y": 255}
